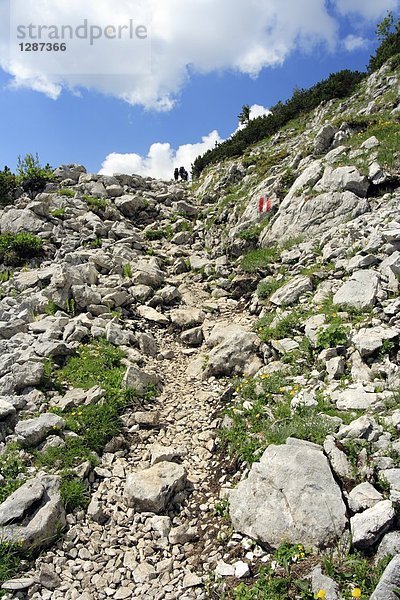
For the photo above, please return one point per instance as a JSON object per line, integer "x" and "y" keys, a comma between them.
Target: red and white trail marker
{"x": 264, "y": 204}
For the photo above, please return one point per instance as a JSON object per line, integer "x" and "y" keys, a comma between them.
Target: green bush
{"x": 31, "y": 175}
{"x": 388, "y": 33}
{"x": 334, "y": 335}
{"x": 8, "y": 186}
{"x": 16, "y": 248}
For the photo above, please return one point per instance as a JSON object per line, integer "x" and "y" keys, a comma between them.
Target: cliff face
{"x": 203, "y": 397}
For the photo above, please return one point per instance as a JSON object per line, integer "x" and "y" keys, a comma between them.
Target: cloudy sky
{"x": 118, "y": 106}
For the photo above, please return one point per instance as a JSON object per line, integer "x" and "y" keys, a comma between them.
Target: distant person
{"x": 184, "y": 175}
{"x": 176, "y": 174}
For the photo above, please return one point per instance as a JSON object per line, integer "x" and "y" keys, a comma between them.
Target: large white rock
{"x": 33, "y": 515}
{"x": 33, "y": 431}
{"x": 291, "y": 291}
{"x": 364, "y": 496}
{"x": 151, "y": 490}
{"x": 359, "y": 291}
{"x": 343, "y": 179}
{"x": 151, "y": 314}
{"x": 355, "y": 397}
{"x": 307, "y": 215}
{"x": 290, "y": 495}
{"x": 369, "y": 526}
{"x": 389, "y": 582}
{"x": 369, "y": 339}
{"x": 233, "y": 348}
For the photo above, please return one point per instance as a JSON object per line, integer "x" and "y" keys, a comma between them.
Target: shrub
{"x": 31, "y": 175}
{"x": 334, "y": 335}
{"x": 15, "y": 248}
{"x": 388, "y": 33}
{"x": 8, "y": 186}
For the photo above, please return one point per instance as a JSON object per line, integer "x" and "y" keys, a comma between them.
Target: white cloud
{"x": 161, "y": 159}
{"x": 355, "y": 42}
{"x": 202, "y": 36}
{"x": 368, "y": 9}
{"x": 258, "y": 111}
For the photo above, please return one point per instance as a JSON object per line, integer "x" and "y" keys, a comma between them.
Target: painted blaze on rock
{"x": 290, "y": 495}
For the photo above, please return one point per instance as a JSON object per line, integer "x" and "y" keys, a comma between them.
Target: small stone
{"x": 225, "y": 570}
{"x": 144, "y": 573}
{"x": 191, "y": 580}
{"x": 242, "y": 570}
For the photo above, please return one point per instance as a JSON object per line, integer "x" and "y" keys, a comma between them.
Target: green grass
{"x": 95, "y": 364}
{"x": 355, "y": 570}
{"x": 51, "y": 308}
{"x": 59, "y": 213}
{"x": 127, "y": 270}
{"x": 11, "y": 465}
{"x": 73, "y": 493}
{"x": 289, "y": 325}
{"x": 6, "y": 275}
{"x": 266, "y": 288}
{"x": 95, "y": 204}
{"x": 263, "y": 416}
{"x": 9, "y": 562}
{"x": 335, "y": 334}
{"x": 280, "y": 583}
{"x": 67, "y": 193}
{"x": 16, "y": 248}
{"x": 257, "y": 260}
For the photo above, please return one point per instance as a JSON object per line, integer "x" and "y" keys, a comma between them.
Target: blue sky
{"x": 204, "y": 94}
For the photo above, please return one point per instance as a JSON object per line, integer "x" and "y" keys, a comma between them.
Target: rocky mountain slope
{"x": 198, "y": 400}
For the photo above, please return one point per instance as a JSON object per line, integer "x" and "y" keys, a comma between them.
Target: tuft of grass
{"x": 6, "y": 276}
{"x": 288, "y": 325}
{"x": 98, "y": 363}
{"x": 335, "y": 334}
{"x": 96, "y": 205}
{"x": 257, "y": 260}
{"x": 266, "y": 288}
{"x": 66, "y": 192}
{"x": 127, "y": 270}
{"x": 73, "y": 493}
{"x": 59, "y": 213}
{"x": 11, "y": 466}
{"x": 9, "y": 562}
{"x": 51, "y": 308}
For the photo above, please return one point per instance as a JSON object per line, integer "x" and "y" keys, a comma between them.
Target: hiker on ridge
{"x": 176, "y": 174}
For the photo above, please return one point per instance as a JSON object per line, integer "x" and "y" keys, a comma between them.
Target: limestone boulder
{"x": 290, "y": 495}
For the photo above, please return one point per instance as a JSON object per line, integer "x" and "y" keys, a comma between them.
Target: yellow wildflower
{"x": 356, "y": 593}
{"x": 321, "y": 595}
